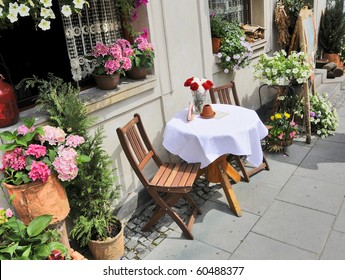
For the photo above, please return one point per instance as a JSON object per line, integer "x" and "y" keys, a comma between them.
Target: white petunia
{"x": 23, "y": 10}
{"x": 227, "y": 58}
{"x": 219, "y": 55}
{"x": 12, "y": 17}
{"x": 44, "y": 24}
{"x": 47, "y": 13}
{"x": 78, "y": 4}
{"x": 13, "y": 9}
{"x": 46, "y": 3}
{"x": 1, "y": 12}
{"x": 66, "y": 10}
{"x": 226, "y": 70}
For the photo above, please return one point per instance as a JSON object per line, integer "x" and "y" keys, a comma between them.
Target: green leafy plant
{"x": 332, "y": 27}
{"x": 234, "y": 52}
{"x": 143, "y": 52}
{"x": 281, "y": 69}
{"x": 282, "y": 130}
{"x": 323, "y": 116}
{"x": 32, "y": 242}
{"x": 218, "y": 26}
{"x": 94, "y": 190}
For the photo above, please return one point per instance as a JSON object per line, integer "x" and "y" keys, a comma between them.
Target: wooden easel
{"x": 304, "y": 37}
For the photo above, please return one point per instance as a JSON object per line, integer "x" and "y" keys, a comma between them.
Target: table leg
{"x": 212, "y": 170}
{"x": 229, "y": 192}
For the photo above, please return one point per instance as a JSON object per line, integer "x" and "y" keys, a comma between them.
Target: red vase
{"x": 9, "y": 112}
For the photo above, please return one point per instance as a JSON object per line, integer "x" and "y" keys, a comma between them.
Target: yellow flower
{"x": 278, "y": 116}
{"x": 272, "y": 118}
{"x": 287, "y": 115}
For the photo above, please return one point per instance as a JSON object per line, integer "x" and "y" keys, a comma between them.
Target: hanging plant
{"x": 40, "y": 11}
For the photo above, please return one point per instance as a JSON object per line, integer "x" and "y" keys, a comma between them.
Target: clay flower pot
{"x": 38, "y": 198}
{"x": 107, "y": 82}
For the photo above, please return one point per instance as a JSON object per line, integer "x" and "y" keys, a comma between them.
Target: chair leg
{"x": 192, "y": 202}
{"x": 165, "y": 208}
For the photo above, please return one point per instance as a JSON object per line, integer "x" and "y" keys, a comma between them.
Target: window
{"x": 233, "y": 10}
{"x": 25, "y": 52}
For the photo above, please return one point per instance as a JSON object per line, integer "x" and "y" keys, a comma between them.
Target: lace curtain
{"x": 234, "y": 10}
{"x": 97, "y": 23}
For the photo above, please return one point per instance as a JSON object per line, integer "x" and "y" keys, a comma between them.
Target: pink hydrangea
{"x": 9, "y": 213}
{"x": 53, "y": 135}
{"x": 36, "y": 150}
{"x": 66, "y": 164}
{"x": 127, "y": 63}
{"x": 74, "y": 141}
{"x": 23, "y": 129}
{"x": 111, "y": 66}
{"x": 100, "y": 49}
{"x": 14, "y": 159}
{"x": 39, "y": 170}
{"x": 115, "y": 51}
{"x": 124, "y": 44}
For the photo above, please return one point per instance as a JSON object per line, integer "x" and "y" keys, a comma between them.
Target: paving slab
{"x": 258, "y": 247}
{"x": 279, "y": 172}
{"x": 293, "y": 154}
{"x": 312, "y": 193}
{"x": 254, "y": 197}
{"x": 295, "y": 225}
{"x": 335, "y": 247}
{"x": 339, "y": 224}
{"x": 323, "y": 149}
{"x": 322, "y": 169}
{"x": 219, "y": 227}
{"x": 175, "y": 247}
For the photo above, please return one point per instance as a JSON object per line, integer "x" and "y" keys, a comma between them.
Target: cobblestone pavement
{"x": 138, "y": 243}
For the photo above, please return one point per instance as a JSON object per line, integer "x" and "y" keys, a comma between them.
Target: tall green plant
{"x": 332, "y": 27}
{"x": 93, "y": 192}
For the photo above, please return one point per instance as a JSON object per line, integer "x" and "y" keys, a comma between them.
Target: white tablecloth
{"x": 234, "y": 130}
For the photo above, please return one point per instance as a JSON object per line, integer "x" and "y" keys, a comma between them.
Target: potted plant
{"x": 281, "y": 69}
{"x": 128, "y": 9}
{"x": 29, "y": 242}
{"x": 234, "y": 52}
{"x": 40, "y": 11}
{"x": 323, "y": 116}
{"x": 332, "y": 30}
{"x": 35, "y": 163}
{"x": 94, "y": 189}
{"x": 282, "y": 131}
{"x": 142, "y": 57}
{"x": 218, "y": 31}
{"x": 111, "y": 61}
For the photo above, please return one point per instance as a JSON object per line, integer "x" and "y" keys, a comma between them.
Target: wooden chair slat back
{"x": 137, "y": 147}
{"x": 223, "y": 94}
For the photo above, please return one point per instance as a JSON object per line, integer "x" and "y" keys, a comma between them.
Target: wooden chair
{"x": 171, "y": 182}
{"x": 227, "y": 94}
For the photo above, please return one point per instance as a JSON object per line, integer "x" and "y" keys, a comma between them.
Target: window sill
{"x": 95, "y": 99}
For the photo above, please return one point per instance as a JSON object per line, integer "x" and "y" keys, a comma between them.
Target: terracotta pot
{"x": 112, "y": 248}
{"x": 9, "y": 112}
{"x": 333, "y": 57}
{"x": 37, "y": 198}
{"x": 137, "y": 73}
{"x": 107, "y": 82}
{"x": 215, "y": 45}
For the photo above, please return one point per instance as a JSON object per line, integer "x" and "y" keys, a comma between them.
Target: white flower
{"x": 1, "y": 3}
{"x": 12, "y": 17}
{"x": 13, "y": 8}
{"x": 227, "y": 58}
{"x": 23, "y": 10}
{"x": 47, "y": 13}
{"x": 226, "y": 71}
{"x": 44, "y": 24}
{"x": 78, "y": 4}
{"x": 46, "y": 3}
{"x": 66, "y": 10}
{"x": 219, "y": 55}
{"x": 1, "y": 12}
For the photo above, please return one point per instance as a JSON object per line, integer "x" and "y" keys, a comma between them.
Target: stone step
{"x": 338, "y": 80}
{"x": 320, "y": 76}
{"x": 333, "y": 89}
